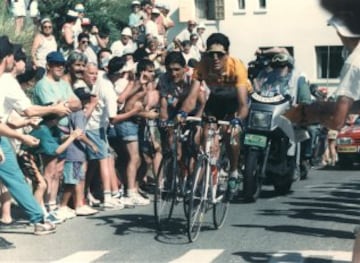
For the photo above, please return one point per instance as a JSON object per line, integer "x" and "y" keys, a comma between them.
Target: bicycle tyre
{"x": 165, "y": 192}
{"x": 221, "y": 206}
{"x": 197, "y": 202}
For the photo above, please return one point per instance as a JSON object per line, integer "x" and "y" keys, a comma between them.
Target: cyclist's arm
{"x": 163, "y": 109}
{"x": 243, "y": 109}
{"x": 190, "y": 102}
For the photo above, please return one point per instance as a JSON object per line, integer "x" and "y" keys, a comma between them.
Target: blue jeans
{"x": 13, "y": 178}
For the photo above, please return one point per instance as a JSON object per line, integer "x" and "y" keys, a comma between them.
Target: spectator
{"x": 74, "y": 68}
{"x": 194, "y": 49}
{"x": 34, "y": 12}
{"x": 44, "y": 43}
{"x": 151, "y": 28}
{"x": 200, "y": 30}
{"x": 104, "y": 55}
{"x": 84, "y": 48}
{"x": 105, "y": 112}
{"x": 135, "y": 18}
{"x": 18, "y": 10}
{"x": 49, "y": 89}
{"x": 80, "y": 10}
{"x": 67, "y": 41}
{"x": 185, "y": 34}
{"x": 165, "y": 22}
{"x": 11, "y": 174}
{"x": 75, "y": 164}
{"x": 117, "y": 48}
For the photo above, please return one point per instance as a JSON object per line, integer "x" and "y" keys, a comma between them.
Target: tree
{"x": 109, "y": 15}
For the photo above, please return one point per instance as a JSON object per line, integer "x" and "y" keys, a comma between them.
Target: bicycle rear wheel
{"x": 165, "y": 192}
{"x": 197, "y": 201}
{"x": 221, "y": 206}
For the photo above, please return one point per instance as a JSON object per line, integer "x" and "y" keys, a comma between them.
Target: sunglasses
{"x": 214, "y": 55}
{"x": 47, "y": 27}
{"x": 84, "y": 42}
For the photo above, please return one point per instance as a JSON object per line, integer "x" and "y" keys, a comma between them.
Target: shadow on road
{"x": 261, "y": 257}
{"x": 303, "y": 230}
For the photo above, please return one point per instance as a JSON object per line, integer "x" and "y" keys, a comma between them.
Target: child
{"x": 75, "y": 163}
{"x": 50, "y": 145}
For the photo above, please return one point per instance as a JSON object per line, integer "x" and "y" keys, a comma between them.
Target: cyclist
{"x": 227, "y": 79}
{"x": 174, "y": 86}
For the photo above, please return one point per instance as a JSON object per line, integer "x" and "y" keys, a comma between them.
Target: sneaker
{"x": 45, "y": 228}
{"x": 137, "y": 199}
{"x": 64, "y": 212}
{"x": 127, "y": 202}
{"x": 85, "y": 210}
{"x": 93, "y": 202}
{"x": 112, "y": 204}
{"x": 53, "y": 219}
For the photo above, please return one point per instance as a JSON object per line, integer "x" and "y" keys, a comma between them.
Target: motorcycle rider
{"x": 281, "y": 77}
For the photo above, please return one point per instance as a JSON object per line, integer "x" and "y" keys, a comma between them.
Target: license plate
{"x": 255, "y": 140}
{"x": 347, "y": 149}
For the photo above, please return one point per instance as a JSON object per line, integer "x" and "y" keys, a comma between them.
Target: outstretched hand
{"x": 62, "y": 109}
{"x": 294, "y": 114}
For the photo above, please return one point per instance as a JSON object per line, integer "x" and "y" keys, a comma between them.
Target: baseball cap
{"x": 135, "y": 2}
{"x": 72, "y": 13}
{"x": 155, "y": 11}
{"x": 55, "y": 57}
{"x": 126, "y": 32}
{"x": 201, "y": 25}
{"x": 19, "y": 53}
{"x": 339, "y": 24}
{"x": 6, "y": 48}
{"x": 79, "y": 7}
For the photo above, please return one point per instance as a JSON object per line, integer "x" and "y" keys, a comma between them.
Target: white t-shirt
{"x": 350, "y": 76}
{"x": 107, "y": 104}
{"x": 184, "y": 35}
{"x": 118, "y": 48}
{"x": 151, "y": 28}
{"x": 12, "y": 97}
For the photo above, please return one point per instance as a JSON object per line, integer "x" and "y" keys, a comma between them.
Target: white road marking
{"x": 82, "y": 256}
{"x": 199, "y": 256}
{"x": 301, "y": 256}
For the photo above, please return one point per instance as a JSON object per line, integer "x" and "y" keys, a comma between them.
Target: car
{"x": 348, "y": 145}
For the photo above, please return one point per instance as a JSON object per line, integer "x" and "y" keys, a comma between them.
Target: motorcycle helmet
{"x": 282, "y": 60}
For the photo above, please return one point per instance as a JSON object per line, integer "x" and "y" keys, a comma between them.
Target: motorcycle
{"x": 271, "y": 146}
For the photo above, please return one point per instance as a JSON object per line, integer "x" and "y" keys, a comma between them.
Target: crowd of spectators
{"x": 73, "y": 123}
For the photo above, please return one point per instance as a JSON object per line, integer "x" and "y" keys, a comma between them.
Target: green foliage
{"x": 110, "y": 15}
{"x": 7, "y": 27}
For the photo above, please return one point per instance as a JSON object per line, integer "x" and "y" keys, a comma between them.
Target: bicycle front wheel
{"x": 165, "y": 193}
{"x": 220, "y": 186}
{"x": 197, "y": 201}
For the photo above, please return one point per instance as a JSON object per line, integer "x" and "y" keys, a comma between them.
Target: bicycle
{"x": 210, "y": 182}
{"x": 170, "y": 181}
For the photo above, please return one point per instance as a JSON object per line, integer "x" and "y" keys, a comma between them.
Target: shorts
{"x": 222, "y": 104}
{"x": 127, "y": 131}
{"x": 98, "y": 137}
{"x": 29, "y": 165}
{"x": 149, "y": 138}
{"x": 74, "y": 172}
{"x": 18, "y": 8}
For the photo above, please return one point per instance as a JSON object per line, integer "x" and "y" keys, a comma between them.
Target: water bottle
{"x": 235, "y": 134}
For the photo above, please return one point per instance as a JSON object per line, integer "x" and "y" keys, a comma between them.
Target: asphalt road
{"x": 312, "y": 224}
